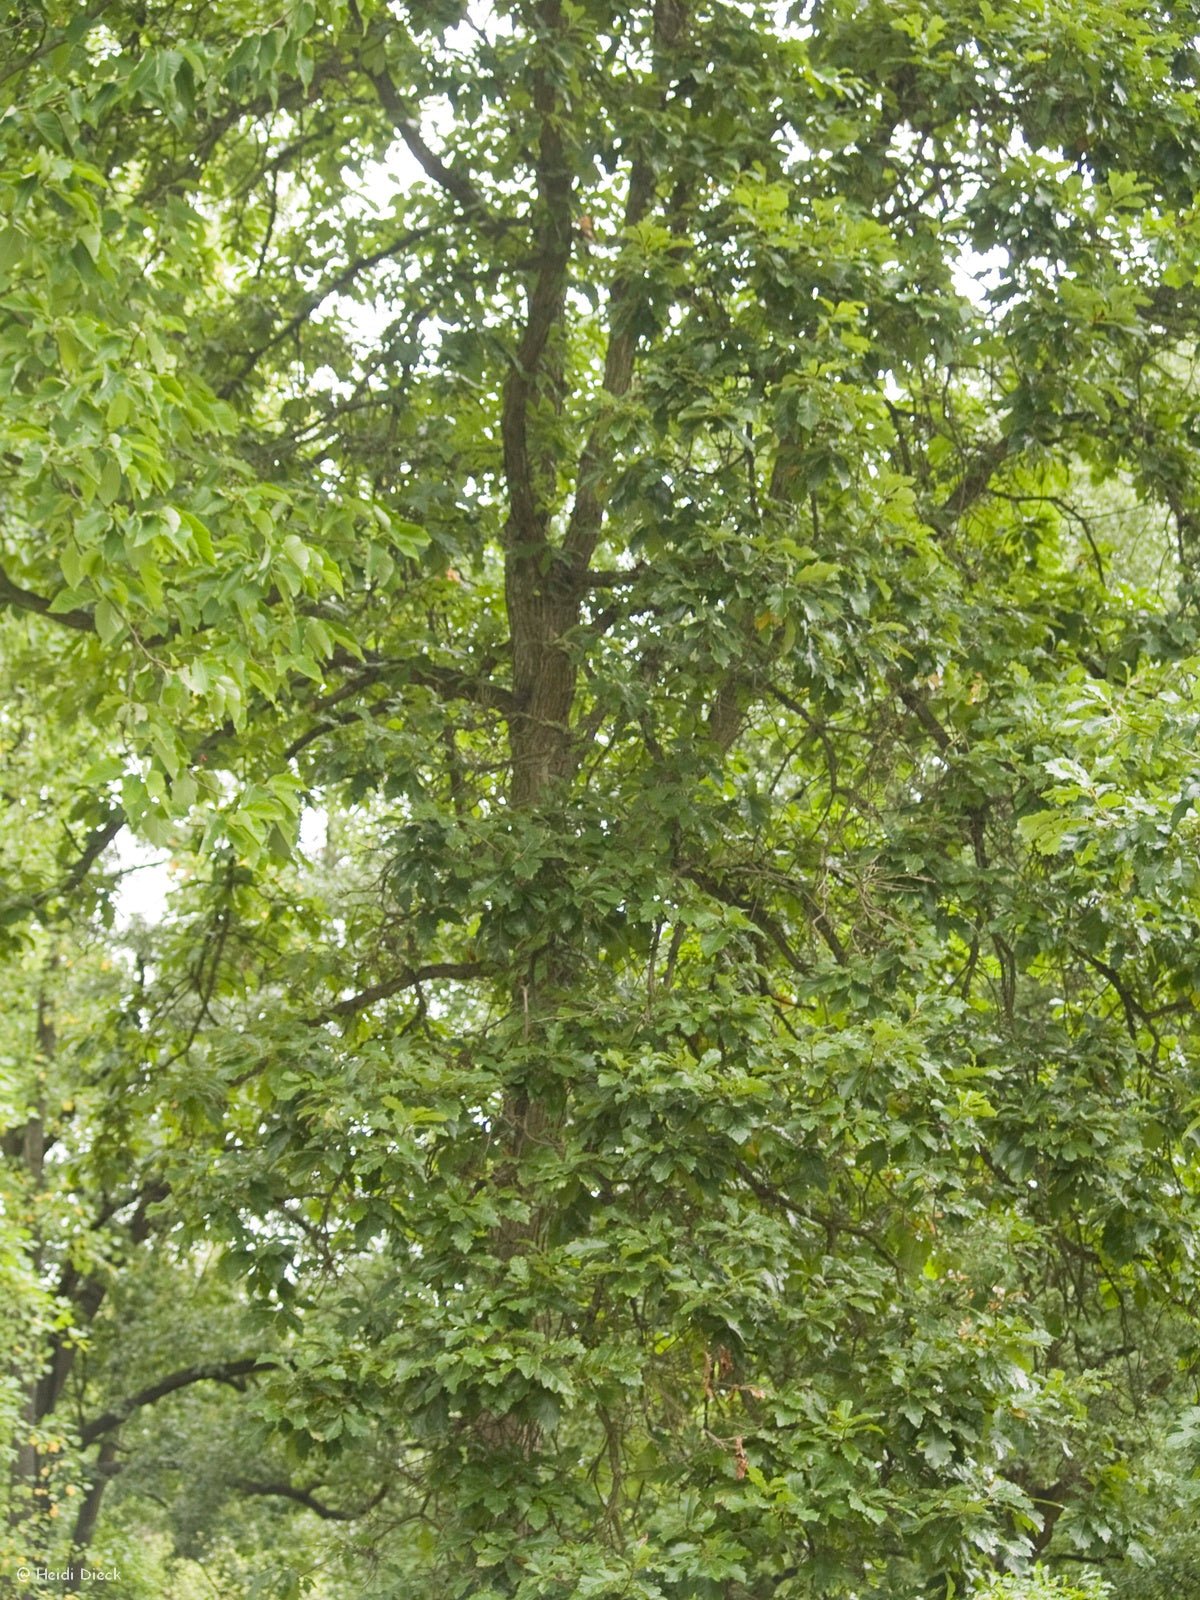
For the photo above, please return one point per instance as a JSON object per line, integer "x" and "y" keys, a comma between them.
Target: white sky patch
{"x": 314, "y": 831}
{"x": 145, "y": 882}
{"x": 147, "y": 875}
{"x": 977, "y": 275}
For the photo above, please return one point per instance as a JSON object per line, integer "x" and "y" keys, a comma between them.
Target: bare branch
{"x": 314, "y": 301}
{"x": 19, "y": 599}
{"x": 456, "y": 184}
{"x": 408, "y": 979}
{"x": 97, "y": 842}
{"x": 212, "y": 1372}
{"x": 306, "y": 1498}
{"x": 449, "y": 682}
{"x": 973, "y": 484}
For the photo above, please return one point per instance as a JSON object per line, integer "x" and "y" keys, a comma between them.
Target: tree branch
{"x": 97, "y": 842}
{"x": 525, "y": 529}
{"x": 449, "y": 682}
{"x": 974, "y": 482}
{"x": 306, "y": 1498}
{"x": 409, "y": 978}
{"x": 105, "y": 1469}
{"x": 626, "y": 294}
{"x": 314, "y": 301}
{"x": 462, "y": 686}
{"x": 926, "y": 718}
{"x": 212, "y": 1372}
{"x": 456, "y": 184}
{"x": 19, "y": 599}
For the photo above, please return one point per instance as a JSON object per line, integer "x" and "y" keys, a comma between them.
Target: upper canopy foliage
{"x": 640, "y": 564}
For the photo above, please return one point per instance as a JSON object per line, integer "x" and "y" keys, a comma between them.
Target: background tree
{"x": 669, "y": 1068}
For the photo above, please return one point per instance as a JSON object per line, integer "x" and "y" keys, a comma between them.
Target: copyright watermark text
{"x": 70, "y": 1574}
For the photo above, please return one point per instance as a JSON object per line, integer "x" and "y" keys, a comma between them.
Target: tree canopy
{"x": 635, "y": 570}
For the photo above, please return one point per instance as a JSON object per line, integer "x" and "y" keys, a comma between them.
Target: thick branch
{"x": 105, "y": 1469}
{"x": 526, "y": 523}
{"x": 97, "y": 842}
{"x": 820, "y": 921}
{"x": 211, "y": 1372}
{"x": 541, "y": 591}
{"x": 926, "y": 718}
{"x": 19, "y": 599}
{"x": 456, "y": 685}
{"x": 306, "y": 1498}
{"x": 408, "y": 979}
{"x": 973, "y": 484}
{"x": 587, "y": 514}
{"x": 456, "y": 184}
{"x": 446, "y": 681}
{"x": 625, "y": 298}
{"x": 86, "y": 1292}
{"x": 453, "y": 682}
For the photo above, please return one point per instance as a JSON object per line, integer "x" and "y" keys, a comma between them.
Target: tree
{"x": 713, "y": 1115}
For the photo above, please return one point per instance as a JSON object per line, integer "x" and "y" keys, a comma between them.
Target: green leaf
{"x": 109, "y": 621}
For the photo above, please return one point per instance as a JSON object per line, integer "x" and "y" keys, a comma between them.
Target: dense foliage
{"x": 635, "y": 569}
